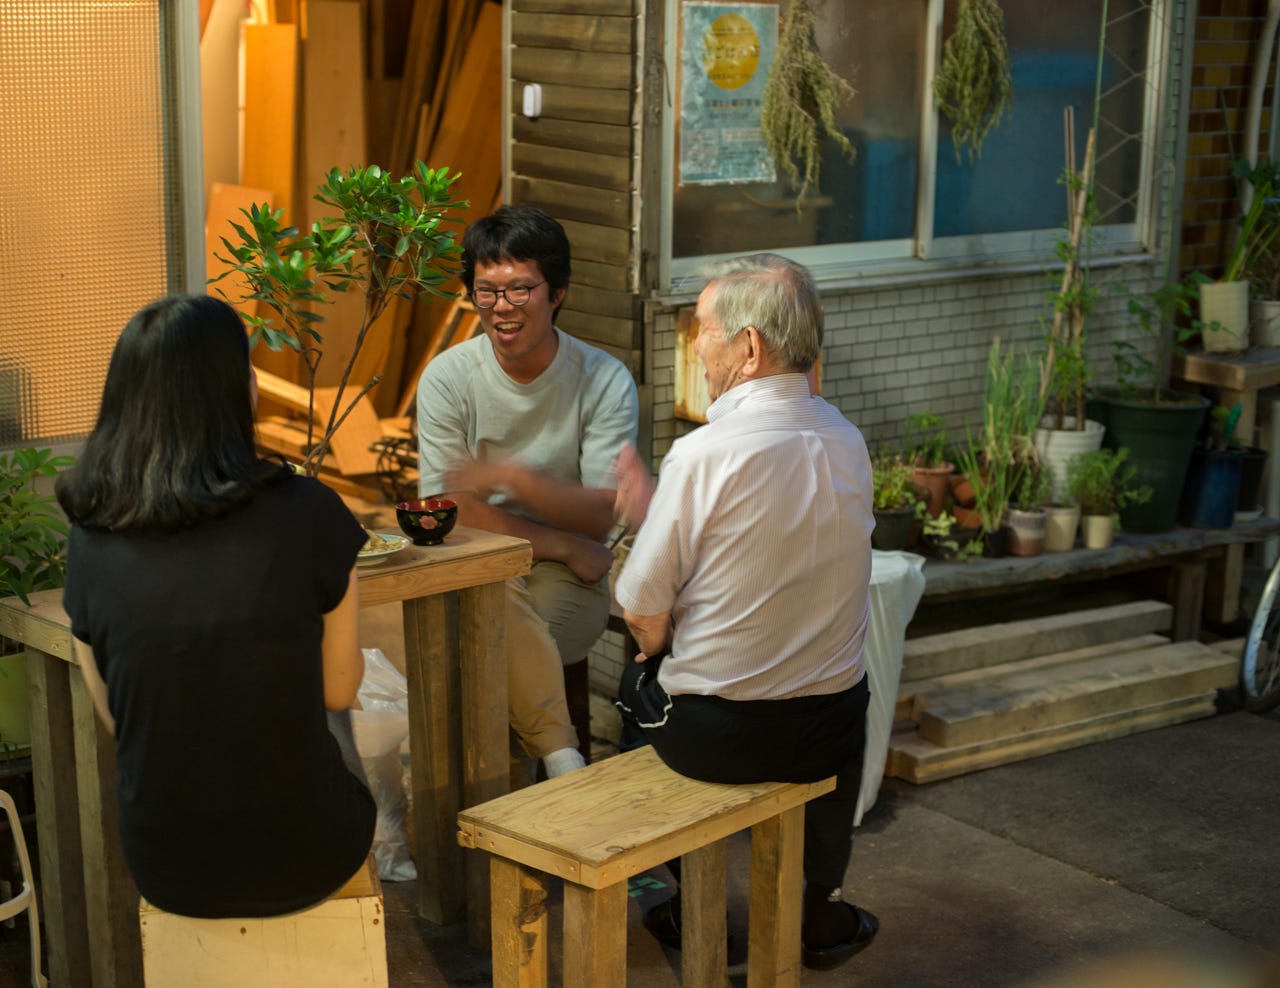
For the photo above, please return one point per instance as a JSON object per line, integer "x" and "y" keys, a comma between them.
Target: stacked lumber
{"x": 988, "y": 696}
{"x": 337, "y": 83}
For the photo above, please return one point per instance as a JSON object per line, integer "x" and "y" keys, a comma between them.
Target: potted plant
{"x": 1212, "y": 488}
{"x": 1103, "y": 482}
{"x": 896, "y": 502}
{"x": 1158, "y": 425}
{"x": 34, "y": 537}
{"x": 1027, "y": 516}
{"x": 1224, "y": 304}
{"x": 1061, "y": 521}
{"x": 947, "y": 539}
{"x": 390, "y": 239}
{"x": 924, "y": 443}
{"x": 1263, "y": 269}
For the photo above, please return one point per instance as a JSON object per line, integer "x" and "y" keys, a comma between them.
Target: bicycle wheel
{"x": 1260, "y": 665}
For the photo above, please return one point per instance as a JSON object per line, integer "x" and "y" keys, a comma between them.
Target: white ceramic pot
{"x": 1026, "y": 531}
{"x": 1060, "y": 524}
{"x": 1227, "y": 304}
{"x": 1264, "y": 322}
{"x": 1057, "y": 447}
{"x": 1097, "y": 530}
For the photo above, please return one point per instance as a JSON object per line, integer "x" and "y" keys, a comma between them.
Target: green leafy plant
{"x": 33, "y": 534}
{"x": 1034, "y": 488}
{"x": 1103, "y": 481}
{"x": 940, "y": 535}
{"x": 1222, "y": 422}
{"x": 800, "y": 100}
{"x": 1263, "y": 267}
{"x": 1166, "y": 319}
{"x": 391, "y": 238}
{"x": 1258, "y": 228}
{"x": 973, "y": 86}
{"x": 924, "y": 440}
{"x": 892, "y": 488}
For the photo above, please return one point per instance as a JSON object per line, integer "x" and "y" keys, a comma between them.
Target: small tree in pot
{"x": 1102, "y": 482}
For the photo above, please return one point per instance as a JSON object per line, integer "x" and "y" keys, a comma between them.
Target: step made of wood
{"x": 914, "y": 697}
{"x": 1030, "y": 700}
{"x": 973, "y": 648}
{"x": 915, "y": 760}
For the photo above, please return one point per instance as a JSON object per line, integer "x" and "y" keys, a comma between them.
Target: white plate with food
{"x": 379, "y": 546}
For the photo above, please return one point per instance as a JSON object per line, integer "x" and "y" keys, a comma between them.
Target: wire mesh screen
{"x": 84, "y": 240}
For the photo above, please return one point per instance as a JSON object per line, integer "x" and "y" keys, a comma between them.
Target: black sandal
{"x": 825, "y": 958}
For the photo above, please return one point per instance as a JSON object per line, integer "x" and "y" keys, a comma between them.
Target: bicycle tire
{"x": 1260, "y": 663}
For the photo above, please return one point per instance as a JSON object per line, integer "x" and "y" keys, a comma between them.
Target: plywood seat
{"x": 597, "y": 827}
{"x": 341, "y": 942}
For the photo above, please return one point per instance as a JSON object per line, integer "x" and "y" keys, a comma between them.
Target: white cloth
{"x": 897, "y": 584}
{"x": 569, "y": 422}
{"x": 758, "y": 541}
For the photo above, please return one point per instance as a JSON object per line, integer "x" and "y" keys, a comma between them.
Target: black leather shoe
{"x": 663, "y": 921}
{"x": 825, "y": 958}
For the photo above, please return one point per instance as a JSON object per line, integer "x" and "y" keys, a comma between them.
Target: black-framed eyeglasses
{"x": 487, "y": 298}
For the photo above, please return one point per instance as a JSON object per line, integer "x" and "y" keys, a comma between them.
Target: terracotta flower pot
{"x": 933, "y": 480}
{"x": 961, "y": 490}
{"x": 1026, "y": 531}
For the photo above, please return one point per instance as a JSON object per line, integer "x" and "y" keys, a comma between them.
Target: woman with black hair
{"x": 213, "y": 600}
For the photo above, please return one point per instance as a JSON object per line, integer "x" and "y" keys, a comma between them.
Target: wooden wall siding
{"x": 577, "y": 160}
{"x": 595, "y": 106}
{"x": 600, "y": 171}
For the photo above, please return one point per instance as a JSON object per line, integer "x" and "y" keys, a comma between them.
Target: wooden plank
{"x": 601, "y": 171}
{"x": 565, "y": 201}
{"x": 1258, "y": 367}
{"x": 607, "y": 70}
{"x": 621, "y": 333}
{"x": 468, "y": 557}
{"x": 599, "y": 139}
{"x": 1186, "y": 593}
{"x": 703, "y": 959}
{"x": 1022, "y": 701}
{"x": 350, "y": 445}
{"x": 468, "y": 139}
{"x": 422, "y": 58}
{"x": 619, "y": 305}
{"x": 914, "y": 696}
{"x": 650, "y": 169}
{"x": 271, "y": 112}
{"x": 916, "y": 760}
{"x": 574, "y": 32}
{"x": 1222, "y": 585}
{"x": 110, "y": 899}
{"x": 602, "y": 244}
{"x": 972, "y": 648}
{"x": 459, "y": 19}
{"x": 777, "y": 852}
{"x": 586, "y": 105}
{"x": 595, "y": 936}
{"x": 604, "y": 8}
{"x": 610, "y": 277}
{"x": 615, "y": 818}
{"x": 57, "y": 802}
{"x": 520, "y": 929}
{"x": 436, "y": 740}
{"x": 334, "y": 136}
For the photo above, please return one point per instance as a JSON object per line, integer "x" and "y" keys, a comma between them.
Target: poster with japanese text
{"x": 726, "y": 52}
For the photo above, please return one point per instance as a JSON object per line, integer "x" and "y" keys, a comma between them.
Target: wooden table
{"x": 455, "y": 650}
{"x": 1237, "y": 376}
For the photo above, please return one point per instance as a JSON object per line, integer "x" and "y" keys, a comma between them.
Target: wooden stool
{"x": 597, "y": 827}
{"x": 340, "y": 942}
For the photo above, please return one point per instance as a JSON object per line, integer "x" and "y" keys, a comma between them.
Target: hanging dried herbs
{"x": 800, "y": 101}
{"x": 973, "y": 86}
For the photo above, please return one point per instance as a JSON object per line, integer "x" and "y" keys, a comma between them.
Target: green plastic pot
{"x": 1160, "y": 437}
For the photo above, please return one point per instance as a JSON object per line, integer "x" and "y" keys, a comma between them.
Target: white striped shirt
{"x": 758, "y": 540}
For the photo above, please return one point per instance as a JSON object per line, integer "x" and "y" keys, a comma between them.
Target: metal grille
{"x": 84, "y": 201}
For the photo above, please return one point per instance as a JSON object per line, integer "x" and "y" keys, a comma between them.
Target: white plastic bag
{"x": 381, "y": 727}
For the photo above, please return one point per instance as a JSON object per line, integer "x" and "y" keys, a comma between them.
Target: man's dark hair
{"x": 517, "y": 233}
{"x": 174, "y": 439}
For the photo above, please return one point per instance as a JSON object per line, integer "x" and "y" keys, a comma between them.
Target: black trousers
{"x": 802, "y": 739}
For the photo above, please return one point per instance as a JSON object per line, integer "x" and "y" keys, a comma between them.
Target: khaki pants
{"x": 553, "y": 619}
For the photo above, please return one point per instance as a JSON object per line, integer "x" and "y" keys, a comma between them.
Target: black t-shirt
{"x": 234, "y": 800}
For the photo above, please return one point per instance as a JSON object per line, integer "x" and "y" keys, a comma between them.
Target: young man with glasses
{"x": 521, "y": 427}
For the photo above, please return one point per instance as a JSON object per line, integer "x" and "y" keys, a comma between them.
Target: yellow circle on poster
{"x": 730, "y": 51}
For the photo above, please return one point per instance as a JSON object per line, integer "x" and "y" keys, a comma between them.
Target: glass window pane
{"x": 868, "y": 43}
{"x": 1015, "y": 185}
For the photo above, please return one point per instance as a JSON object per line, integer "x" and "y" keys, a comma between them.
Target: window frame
{"x": 925, "y": 255}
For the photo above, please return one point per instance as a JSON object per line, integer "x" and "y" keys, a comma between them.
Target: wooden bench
{"x": 597, "y": 827}
{"x": 341, "y": 942}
